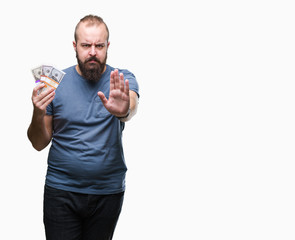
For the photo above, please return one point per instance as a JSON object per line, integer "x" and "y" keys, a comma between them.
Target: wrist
{"x": 125, "y": 116}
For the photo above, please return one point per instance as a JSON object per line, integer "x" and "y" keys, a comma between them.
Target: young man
{"x": 84, "y": 118}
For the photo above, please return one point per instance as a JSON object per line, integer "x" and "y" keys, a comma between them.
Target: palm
{"x": 118, "y": 102}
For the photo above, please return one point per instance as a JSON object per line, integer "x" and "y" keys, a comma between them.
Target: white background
{"x": 211, "y": 151}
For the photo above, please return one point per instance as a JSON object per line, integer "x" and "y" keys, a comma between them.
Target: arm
{"x": 133, "y": 106}
{"x": 121, "y": 99}
{"x": 40, "y": 129}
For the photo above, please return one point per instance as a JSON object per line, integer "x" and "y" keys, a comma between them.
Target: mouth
{"x": 92, "y": 61}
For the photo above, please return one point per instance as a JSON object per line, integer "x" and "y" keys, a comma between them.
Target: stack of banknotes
{"x": 48, "y": 75}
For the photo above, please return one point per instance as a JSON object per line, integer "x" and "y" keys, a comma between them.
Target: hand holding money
{"x": 48, "y": 75}
{"x": 41, "y": 99}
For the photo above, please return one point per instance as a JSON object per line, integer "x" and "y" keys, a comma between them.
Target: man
{"x": 84, "y": 118}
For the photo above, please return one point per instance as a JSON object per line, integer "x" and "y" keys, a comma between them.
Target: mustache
{"x": 92, "y": 59}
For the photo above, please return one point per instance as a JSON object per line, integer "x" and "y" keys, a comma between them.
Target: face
{"x": 91, "y": 50}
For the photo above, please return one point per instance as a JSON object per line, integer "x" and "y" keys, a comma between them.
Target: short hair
{"x": 92, "y": 20}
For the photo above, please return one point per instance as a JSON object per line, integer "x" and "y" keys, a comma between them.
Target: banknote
{"x": 56, "y": 75}
{"x": 46, "y": 70}
{"x": 49, "y": 75}
{"x": 37, "y": 72}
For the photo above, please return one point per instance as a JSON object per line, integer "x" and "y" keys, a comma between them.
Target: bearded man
{"x": 84, "y": 119}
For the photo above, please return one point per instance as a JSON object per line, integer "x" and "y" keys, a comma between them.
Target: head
{"x": 91, "y": 45}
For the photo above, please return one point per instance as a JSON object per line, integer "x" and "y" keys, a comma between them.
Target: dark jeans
{"x": 75, "y": 216}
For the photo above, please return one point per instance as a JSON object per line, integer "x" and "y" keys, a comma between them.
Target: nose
{"x": 92, "y": 51}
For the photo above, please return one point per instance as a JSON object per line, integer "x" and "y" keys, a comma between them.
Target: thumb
{"x": 102, "y": 97}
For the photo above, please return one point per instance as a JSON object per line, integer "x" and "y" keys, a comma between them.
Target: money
{"x": 56, "y": 75}
{"x": 46, "y": 70}
{"x": 48, "y": 75}
{"x": 37, "y": 72}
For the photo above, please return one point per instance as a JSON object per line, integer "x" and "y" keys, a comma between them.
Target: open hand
{"x": 119, "y": 101}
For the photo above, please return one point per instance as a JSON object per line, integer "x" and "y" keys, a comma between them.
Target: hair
{"x": 91, "y": 20}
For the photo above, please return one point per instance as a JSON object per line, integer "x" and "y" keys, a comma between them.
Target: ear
{"x": 108, "y": 45}
{"x": 75, "y": 45}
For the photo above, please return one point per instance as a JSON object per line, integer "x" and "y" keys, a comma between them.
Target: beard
{"x": 92, "y": 71}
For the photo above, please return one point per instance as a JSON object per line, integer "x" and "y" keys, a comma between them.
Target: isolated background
{"x": 211, "y": 151}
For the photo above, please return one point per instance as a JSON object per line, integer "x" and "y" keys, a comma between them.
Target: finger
{"x": 37, "y": 99}
{"x": 37, "y": 88}
{"x": 117, "y": 80}
{"x": 102, "y": 98}
{"x": 47, "y": 98}
{"x": 122, "y": 82}
{"x": 42, "y": 105}
{"x": 43, "y": 94}
{"x": 127, "y": 87}
{"x": 112, "y": 81}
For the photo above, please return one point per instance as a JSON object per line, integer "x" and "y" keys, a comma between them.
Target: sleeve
{"x": 49, "y": 109}
{"x": 133, "y": 84}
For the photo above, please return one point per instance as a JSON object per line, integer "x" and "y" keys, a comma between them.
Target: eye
{"x": 100, "y": 45}
{"x": 84, "y": 45}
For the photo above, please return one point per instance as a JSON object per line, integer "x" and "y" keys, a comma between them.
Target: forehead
{"x": 91, "y": 32}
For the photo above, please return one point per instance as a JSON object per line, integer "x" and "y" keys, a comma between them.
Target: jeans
{"x": 76, "y": 216}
